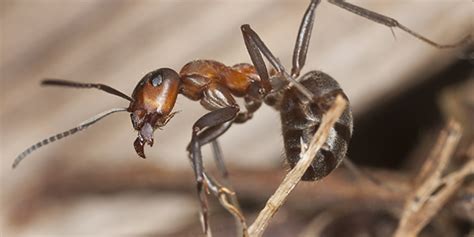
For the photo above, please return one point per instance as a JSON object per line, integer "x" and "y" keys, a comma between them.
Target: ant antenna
{"x": 64, "y": 134}
{"x": 108, "y": 89}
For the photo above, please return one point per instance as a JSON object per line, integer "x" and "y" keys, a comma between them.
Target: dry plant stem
{"x": 436, "y": 163}
{"x": 229, "y": 201}
{"x": 434, "y": 190}
{"x": 294, "y": 176}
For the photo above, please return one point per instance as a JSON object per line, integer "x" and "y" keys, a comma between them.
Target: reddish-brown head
{"x": 153, "y": 100}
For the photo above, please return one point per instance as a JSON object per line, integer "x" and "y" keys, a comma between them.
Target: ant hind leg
{"x": 390, "y": 22}
{"x": 302, "y": 39}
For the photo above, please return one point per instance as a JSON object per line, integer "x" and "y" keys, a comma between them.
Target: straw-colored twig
{"x": 229, "y": 201}
{"x": 294, "y": 176}
{"x": 434, "y": 189}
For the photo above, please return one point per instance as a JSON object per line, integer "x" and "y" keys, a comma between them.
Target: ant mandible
{"x": 301, "y": 101}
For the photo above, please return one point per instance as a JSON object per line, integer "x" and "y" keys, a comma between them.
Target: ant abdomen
{"x": 301, "y": 118}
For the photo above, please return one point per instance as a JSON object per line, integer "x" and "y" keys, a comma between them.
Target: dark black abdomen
{"x": 300, "y": 119}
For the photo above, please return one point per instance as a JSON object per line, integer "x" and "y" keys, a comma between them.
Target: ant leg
{"x": 255, "y": 47}
{"x": 302, "y": 40}
{"x": 210, "y": 136}
{"x": 228, "y": 200}
{"x": 356, "y": 171}
{"x": 226, "y": 197}
{"x": 216, "y": 150}
{"x": 212, "y": 119}
{"x": 390, "y": 22}
{"x": 216, "y": 97}
{"x": 251, "y": 105}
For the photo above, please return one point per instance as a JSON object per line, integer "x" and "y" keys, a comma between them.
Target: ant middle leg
{"x": 256, "y": 48}
{"x": 390, "y": 22}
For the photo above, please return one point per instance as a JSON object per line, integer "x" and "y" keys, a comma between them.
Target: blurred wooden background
{"x": 116, "y": 42}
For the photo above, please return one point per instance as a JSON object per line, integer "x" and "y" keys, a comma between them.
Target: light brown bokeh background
{"x": 117, "y": 42}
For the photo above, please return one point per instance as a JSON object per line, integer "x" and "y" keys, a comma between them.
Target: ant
{"x": 301, "y": 101}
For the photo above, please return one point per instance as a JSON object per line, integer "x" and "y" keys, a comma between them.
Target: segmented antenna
{"x": 102, "y": 87}
{"x": 64, "y": 134}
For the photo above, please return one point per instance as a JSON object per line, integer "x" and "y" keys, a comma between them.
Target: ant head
{"x": 153, "y": 99}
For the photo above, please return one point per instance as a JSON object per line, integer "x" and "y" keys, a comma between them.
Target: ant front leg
{"x": 228, "y": 200}
{"x": 226, "y": 196}
{"x": 207, "y": 129}
{"x": 390, "y": 22}
{"x": 210, "y": 136}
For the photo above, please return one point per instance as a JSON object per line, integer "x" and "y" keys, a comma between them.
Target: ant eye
{"x": 157, "y": 80}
